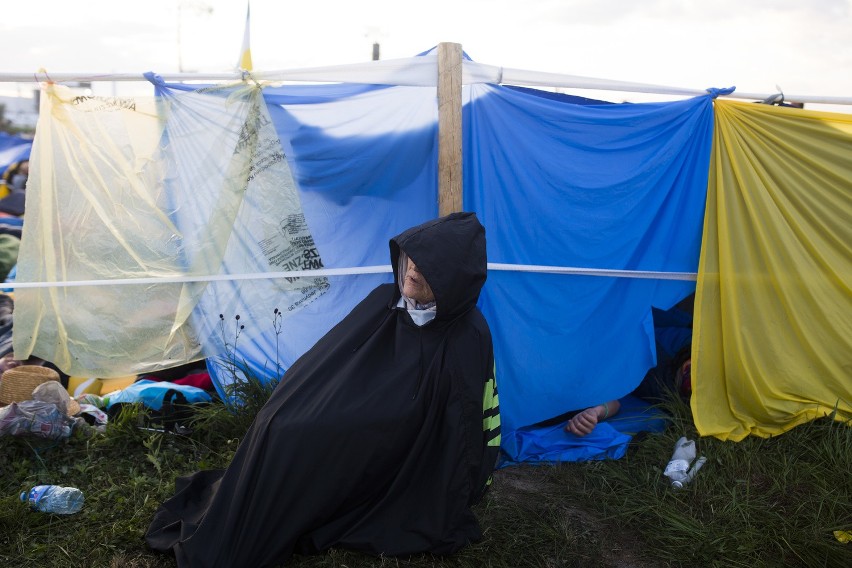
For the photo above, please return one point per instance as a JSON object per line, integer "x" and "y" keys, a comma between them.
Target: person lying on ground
{"x": 583, "y": 422}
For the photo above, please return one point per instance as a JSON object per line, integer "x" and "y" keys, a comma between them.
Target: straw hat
{"x": 18, "y": 383}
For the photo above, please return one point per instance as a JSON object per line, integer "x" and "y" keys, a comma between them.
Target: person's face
{"x": 415, "y": 286}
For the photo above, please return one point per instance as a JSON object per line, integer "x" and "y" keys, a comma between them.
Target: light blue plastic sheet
{"x": 364, "y": 161}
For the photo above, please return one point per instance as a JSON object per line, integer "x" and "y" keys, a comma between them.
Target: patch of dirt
{"x": 539, "y": 488}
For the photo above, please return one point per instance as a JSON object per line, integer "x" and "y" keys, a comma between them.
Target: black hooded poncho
{"x": 376, "y": 439}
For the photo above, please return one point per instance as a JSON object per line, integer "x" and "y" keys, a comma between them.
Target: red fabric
{"x": 201, "y": 380}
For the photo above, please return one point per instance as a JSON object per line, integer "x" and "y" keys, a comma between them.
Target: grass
{"x": 757, "y": 503}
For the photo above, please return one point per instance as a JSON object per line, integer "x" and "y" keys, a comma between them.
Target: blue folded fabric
{"x": 609, "y": 439}
{"x": 151, "y": 393}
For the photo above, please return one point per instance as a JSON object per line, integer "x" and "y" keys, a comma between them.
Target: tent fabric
{"x": 597, "y": 186}
{"x": 13, "y": 149}
{"x": 773, "y": 338}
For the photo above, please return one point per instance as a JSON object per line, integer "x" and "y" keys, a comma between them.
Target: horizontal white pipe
{"x": 414, "y": 71}
{"x": 349, "y": 271}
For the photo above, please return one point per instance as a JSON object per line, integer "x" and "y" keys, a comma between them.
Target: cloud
{"x": 803, "y": 46}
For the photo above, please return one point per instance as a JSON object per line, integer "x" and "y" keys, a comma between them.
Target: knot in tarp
{"x": 715, "y": 91}
{"x": 154, "y": 78}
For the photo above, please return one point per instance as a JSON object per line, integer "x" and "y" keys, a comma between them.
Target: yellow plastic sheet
{"x": 773, "y": 337}
{"x": 156, "y": 192}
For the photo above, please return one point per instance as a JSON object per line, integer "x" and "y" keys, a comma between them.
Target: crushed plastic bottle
{"x": 678, "y": 468}
{"x": 679, "y": 483}
{"x": 54, "y": 499}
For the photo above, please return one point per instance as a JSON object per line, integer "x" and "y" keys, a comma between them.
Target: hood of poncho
{"x": 450, "y": 252}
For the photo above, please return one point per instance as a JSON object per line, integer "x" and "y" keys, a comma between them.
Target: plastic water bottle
{"x": 679, "y": 483}
{"x": 678, "y": 469}
{"x": 684, "y": 453}
{"x": 54, "y": 499}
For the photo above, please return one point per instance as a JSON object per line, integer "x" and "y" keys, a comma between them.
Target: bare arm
{"x": 584, "y": 422}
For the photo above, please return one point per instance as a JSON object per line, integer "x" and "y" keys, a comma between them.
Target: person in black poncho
{"x": 380, "y": 438}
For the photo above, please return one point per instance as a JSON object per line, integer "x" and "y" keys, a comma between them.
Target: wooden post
{"x": 449, "y": 128}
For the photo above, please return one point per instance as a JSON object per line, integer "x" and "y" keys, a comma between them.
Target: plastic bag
{"x": 35, "y": 418}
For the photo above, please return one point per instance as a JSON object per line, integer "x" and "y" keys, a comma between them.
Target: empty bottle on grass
{"x": 54, "y": 499}
{"x": 678, "y": 469}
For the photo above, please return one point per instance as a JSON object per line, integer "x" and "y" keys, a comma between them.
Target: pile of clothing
{"x": 37, "y": 399}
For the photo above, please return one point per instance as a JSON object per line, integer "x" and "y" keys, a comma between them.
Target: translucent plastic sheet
{"x": 773, "y": 337}
{"x": 364, "y": 161}
{"x": 165, "y": 189}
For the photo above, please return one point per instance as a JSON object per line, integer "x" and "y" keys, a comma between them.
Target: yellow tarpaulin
{"x": 773, "y": 334}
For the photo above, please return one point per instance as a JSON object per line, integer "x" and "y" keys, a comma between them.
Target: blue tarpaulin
{"x": 13, "y": 149}
{"x": 617, "y": 187}
{"x": 557, "y": 181}
{"x": 551, "y": 443}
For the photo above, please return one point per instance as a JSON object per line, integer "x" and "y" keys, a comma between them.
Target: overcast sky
{"x": 802, "y": 46}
